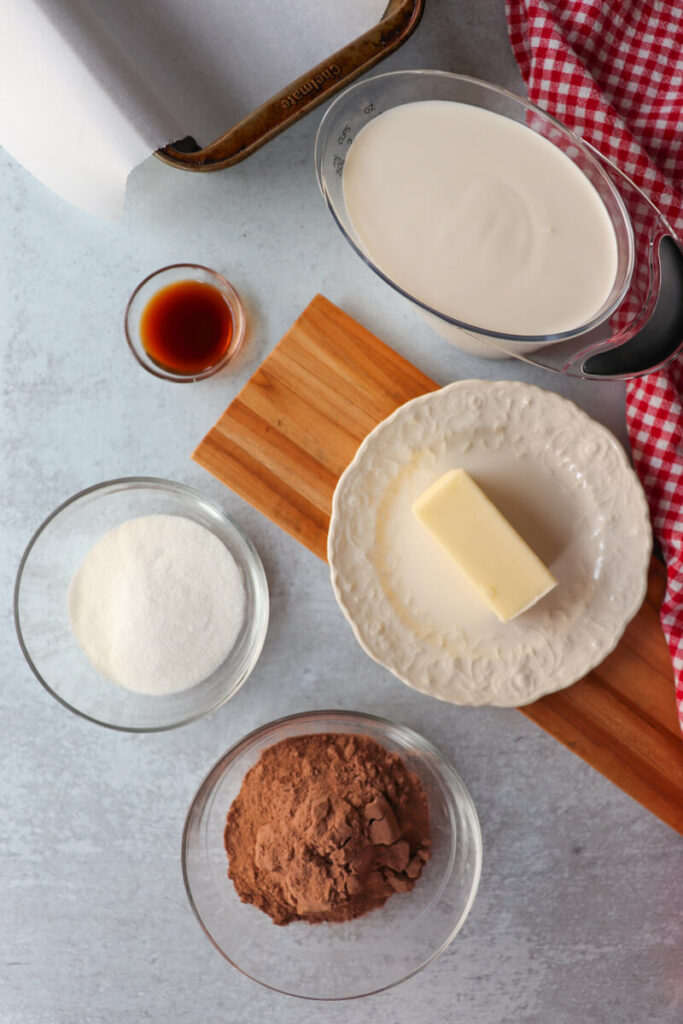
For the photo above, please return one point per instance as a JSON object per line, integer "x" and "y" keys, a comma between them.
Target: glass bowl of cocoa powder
{"x": 331, "y": 854}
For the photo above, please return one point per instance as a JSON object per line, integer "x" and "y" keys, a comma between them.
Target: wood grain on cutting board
{"x": 282, "y": 445}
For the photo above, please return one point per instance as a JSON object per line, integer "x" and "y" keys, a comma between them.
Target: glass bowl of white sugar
{"x": 490, "y": 216}
{"x": 141, "y": 605}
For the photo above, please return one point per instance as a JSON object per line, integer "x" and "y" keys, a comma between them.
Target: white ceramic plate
{"x": 561, "y": 479}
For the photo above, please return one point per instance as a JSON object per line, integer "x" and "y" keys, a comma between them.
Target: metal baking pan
{"x": 313, "y": 87}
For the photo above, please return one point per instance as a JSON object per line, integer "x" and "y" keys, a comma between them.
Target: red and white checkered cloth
{"x": 613, "y": 72}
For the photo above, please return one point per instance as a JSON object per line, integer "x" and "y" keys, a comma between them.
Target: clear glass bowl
{"x": 370, "y": 953}
{"x": 369, "y": 97}
{"x": 40, "y": 610}
{"x": 172, "y": 275}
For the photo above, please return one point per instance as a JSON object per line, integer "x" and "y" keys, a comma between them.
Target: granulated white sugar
{"x": 157, "y": 604}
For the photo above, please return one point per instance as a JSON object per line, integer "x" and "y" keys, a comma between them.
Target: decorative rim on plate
{"x": 581, "y": 465}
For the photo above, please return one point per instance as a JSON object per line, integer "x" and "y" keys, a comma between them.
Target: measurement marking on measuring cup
{"x": 344, "y": 136}
{"x": 338, "y": 163}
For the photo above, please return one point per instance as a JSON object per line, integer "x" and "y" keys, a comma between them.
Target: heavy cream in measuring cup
{"x": 480, "y": 218}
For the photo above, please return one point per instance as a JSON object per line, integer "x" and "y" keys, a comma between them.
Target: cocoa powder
{"x": 325, "y": 828}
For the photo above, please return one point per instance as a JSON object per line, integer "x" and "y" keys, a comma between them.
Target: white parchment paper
{"x": 89, "y": 88}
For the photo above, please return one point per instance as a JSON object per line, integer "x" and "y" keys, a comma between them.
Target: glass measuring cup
{"x": 609, "y": 344}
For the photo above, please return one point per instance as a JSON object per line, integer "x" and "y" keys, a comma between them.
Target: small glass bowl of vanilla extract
{"x": 184, "y": 322}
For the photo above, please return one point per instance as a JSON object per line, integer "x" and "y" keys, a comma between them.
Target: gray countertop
{"x": 578, "y": 916}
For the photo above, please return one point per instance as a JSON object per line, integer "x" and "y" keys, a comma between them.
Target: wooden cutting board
{"x": 282, "y": 445}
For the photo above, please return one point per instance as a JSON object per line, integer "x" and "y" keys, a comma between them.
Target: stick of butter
{"x": 482, "y": 542}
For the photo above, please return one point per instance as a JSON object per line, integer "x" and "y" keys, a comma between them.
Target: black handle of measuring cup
{"x": 661, "y": 338}
{"x": 648, "y": 330}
